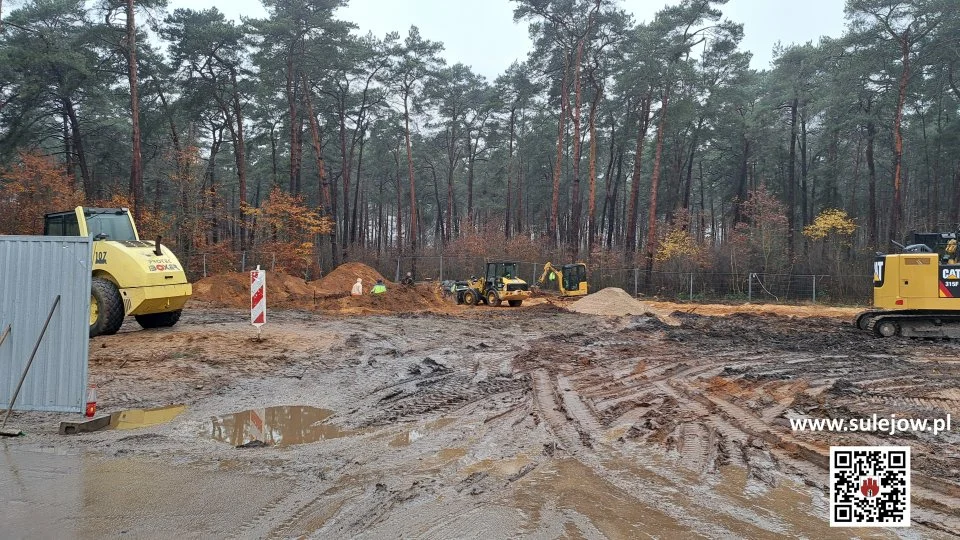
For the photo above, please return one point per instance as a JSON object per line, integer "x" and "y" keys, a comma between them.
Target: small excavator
{"x": 571, "y": 279}
{"x": 916, "y": 293}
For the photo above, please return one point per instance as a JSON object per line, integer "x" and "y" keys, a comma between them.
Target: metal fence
{"x": 35, "y": 271}
{"x": 682, "y": 286}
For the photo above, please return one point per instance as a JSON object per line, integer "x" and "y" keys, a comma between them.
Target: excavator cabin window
{"x": 573, "y": 276}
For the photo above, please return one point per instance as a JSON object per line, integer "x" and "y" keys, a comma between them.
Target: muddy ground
{"x": 488, "y": 422}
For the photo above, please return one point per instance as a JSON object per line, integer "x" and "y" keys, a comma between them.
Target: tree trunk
{"x": 612, "y": 211}
{"x": 655, "y": 185}
{"x": 792, "y": 178}
{"x": 216, "y": 135}
{"x": 592, "y": 164}
{"x": 88, "y": 187}
{"x": 356, "y": 191}
{"x": 741, "y": 197}
{"x": 520, "y": 213}
{"x": 872, "y": 183}
{"x": 136, "y": 163}
{"x": 507, "y": 226}
{"x": 688, "y": 184}
{"x": 634, "y": 205}
{"x": 240, "y": 153}
{"x": 291, "y": 91}
{"x": 413, "y": 187}
{"x": 806, "y": 210}
{"x": 558, "y": 165}
{"x": 573, "y": 233}
{"x": 345, "y": 165}
{"x": 896, "y": 214}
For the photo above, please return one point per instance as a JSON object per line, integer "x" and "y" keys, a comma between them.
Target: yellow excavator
{"x": 130, "y": 276}
{"x": 571, "y": 279}
{"x": 916, "y": 293}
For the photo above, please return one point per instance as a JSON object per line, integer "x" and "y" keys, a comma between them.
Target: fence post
{"x": 636, "y": 276}
{"x": 204, "y": 265}
{"x": 243, "y": 261}
{"x": 397, "y": 277}
{"x": 690, "y": 298}
{"x": 814, "y": 289}
{"x": 749, "y": 286}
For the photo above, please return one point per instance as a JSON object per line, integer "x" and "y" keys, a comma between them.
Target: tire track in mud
{"x": 654, "y": 488}
{"x": 669, "y": 403}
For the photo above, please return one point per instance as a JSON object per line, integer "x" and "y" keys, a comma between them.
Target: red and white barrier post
{"x": 258, "y": 298}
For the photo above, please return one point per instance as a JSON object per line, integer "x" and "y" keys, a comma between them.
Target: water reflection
{"x": 276, "y": 426}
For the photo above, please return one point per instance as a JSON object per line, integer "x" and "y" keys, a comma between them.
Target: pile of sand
{"x": 342, "y": 278}
{"x": 397, "y": 299}
{"x": 233, "y": 289}
{"x": 615, "y": 302}
{"x": 329, "y": 294}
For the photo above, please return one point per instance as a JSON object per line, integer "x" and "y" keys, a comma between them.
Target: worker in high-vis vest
{"x": 379, "y": 288}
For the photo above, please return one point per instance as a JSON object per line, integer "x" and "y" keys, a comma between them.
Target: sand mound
{"x": 233, "y": 289}
{"x": 615, "y": 302}
{"x": 330, "y": 294}
{"x": 397, "y": 299}
{"x": 342, "y": 278}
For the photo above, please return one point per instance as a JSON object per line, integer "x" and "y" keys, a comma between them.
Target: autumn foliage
{"x": 33, "y": 186}
{"x": 286, "y": 226}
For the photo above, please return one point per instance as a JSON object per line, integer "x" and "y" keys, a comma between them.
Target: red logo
{"x": 870, "y": 487}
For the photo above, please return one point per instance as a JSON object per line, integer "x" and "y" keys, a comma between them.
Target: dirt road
{"x": 487, "y": 422}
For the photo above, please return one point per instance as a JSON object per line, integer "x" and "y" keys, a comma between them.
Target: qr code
{"x": 869, "y": 486}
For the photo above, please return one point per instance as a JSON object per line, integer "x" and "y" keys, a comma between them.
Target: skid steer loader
{"x": 130, "y": 276}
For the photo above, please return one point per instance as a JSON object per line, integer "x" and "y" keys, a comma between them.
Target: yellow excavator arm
{"x": 547, "y": 268}
{"x": 578, "y": 276}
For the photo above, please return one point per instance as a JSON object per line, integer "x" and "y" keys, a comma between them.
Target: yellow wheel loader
{"x": 500, "y": 284}
{"x": 570, "y": 279}
{"x": 916, "y": 293}
{"x": 130, "y": 276}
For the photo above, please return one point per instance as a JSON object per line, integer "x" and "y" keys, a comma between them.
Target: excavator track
{"x": 913, "y": 323}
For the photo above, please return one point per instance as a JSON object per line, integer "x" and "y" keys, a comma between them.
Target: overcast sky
{"x": 482, "y": 34}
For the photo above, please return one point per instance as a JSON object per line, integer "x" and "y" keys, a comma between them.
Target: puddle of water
{"x": 138, "y": 418}
{"x": 569, "y": 485}
{"x": 276, "y": 426}
{"x": 79, "y": 496}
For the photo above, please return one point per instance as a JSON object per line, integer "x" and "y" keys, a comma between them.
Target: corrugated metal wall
{"x": 33, "y": 271}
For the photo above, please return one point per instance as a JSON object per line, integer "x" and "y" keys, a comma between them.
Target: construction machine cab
{"x": 498, "y": 270}
{"x": 574, "y": 275}
{"x": 100, "y": 223}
